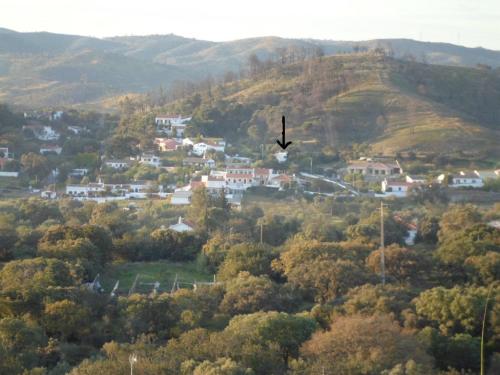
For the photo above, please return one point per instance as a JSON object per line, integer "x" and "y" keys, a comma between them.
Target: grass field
{"x": 149, "y": 272}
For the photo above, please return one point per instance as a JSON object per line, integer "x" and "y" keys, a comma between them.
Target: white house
{"x": 50, "y": 149}
{"x": 85, "y": 190}
{"x": 150, "y": 159}
{"x": 242, "y": 178}
{"x": 9, "y": 174}
{"x": 116, "y": 164}
{"x": 467, "y": 179}
{"x": 236, "y": 160}
{"x": 395, "y": 188}
{"x": 281, "y": 156}
{"x": 46, "y": 133}
{"x": 181, "y": 197}
{"x": 47, "y": 194}
{"x": 198, "y": 162}
{"x": 76, "y": 129}
{"x": 56, "y": 115}
{"x": 413, "y": 179}
{"x": 187, "y": 142}
{"x": 171, "y": 124}
{"x": 78, "y": 172}
{"x": 4, "y": 152}
{"x": 374, "y": 169}
{"x": 142, "y": 186}
{"x": 209, "y": 144}
{"x": 182, "y": 226}
{"x": 214, "y": 184}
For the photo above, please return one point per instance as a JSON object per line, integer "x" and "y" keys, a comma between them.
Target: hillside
{"x": 47, "y": 69}
{"x": 391, "y": 104}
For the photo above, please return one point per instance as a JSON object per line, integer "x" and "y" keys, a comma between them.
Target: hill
{"x": 48, "y": 69}
{"x": 391, "y": 104}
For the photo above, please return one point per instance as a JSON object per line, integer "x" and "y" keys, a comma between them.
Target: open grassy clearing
{"x": 149, "y": 272}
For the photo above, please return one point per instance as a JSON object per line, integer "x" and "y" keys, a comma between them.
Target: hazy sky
{"x": 467, "y": 22}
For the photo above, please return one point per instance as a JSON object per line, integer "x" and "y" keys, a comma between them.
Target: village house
{"x": 143, "y": 186}
{"x": 167, "y": 144}
{"x": 236, "y": 160}
{"x": 47, "y": 149}
{"x": 462, "y": 179}
{"x": 78, "y": 172}
{"x": 91, "y": 189}
{"x": 373, "y": 169}
{"x": 181, "y": 197}
{"x": 414, "y": 179}
{"x": 117, "y": 164}
{"x": 182, "y": 226}
{"x": 241, "y": 178}
{"x": 198, "y": 162}
{"x": 171, "y": 124}
{"x": 281, "y": 156}
{"x": 214, "y": 184}
{"x": 76, "y": 129}
{"x": 4, "y": 152}
{"x": 150, "y": 159}
{"x": 56, "y": 115}
{"x": 42, "y": 132}
{"x": 395, "y": 188}
{"x": 467, "y": 179}
{"x": 48, "y": 194}
{"x": 209, "y": 144}
{"x": 281, "y": 181}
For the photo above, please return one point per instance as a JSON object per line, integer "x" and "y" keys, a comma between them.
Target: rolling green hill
{"x": 47, "y": 69}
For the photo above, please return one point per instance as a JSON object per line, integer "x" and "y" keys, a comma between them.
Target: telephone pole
{"x": 382, "y": 243}
{"x": 261, "y": 232}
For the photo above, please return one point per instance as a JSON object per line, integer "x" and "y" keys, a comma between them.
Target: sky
{"x": 471, "y": 23}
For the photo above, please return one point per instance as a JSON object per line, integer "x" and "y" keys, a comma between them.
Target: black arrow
{"x": 283, "y": 144}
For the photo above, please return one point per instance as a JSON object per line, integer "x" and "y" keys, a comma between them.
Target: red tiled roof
{"x": 262, "y": 171}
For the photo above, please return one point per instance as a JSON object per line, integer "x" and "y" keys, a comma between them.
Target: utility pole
{"x": 311, "y": 165}
{"x": 262, "y": 151}
{"x": 382, "y": 243}
{"x": 132, "y": 359}
{"x": 261, "y": 232}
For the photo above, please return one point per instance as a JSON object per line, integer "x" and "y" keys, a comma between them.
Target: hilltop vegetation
{"x": 393, "y": 105}
{"x": 43, "y": 69}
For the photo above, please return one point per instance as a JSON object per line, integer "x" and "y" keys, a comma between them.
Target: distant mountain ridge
{"x": 44, "y": 69}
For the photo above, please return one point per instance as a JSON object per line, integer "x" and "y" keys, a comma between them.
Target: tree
{"x": 428, "y": 228}
{"x": 222, "y": 366}
{"x": 247, "y": 294}
{"x": 363, "y": 345}
{"x": 368, "y": 230}
{"x": 198, "y": 210}
{"x": 66, "y": 319}
{"x": 265, "y": 341}
{"x": 20, "y": 345}
{"x": 456, "y": 219}
{"x": 455, "y": 310}
{"x": 474, "y": 240}
{"x": 8, "y": 238}
{"x": 377, "y": 299}
{"x": 401, "y": 263}
{"x": 461, "y": 351}
{"x": 30, "y": 277}
{"x": 321, "y": 270}
{"x": 254, "y": 258}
